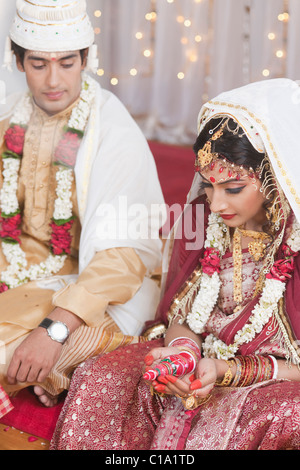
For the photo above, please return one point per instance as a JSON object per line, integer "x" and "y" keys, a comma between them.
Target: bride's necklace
{"x": 17, "y": 272}
{"x": 256, "y": 248}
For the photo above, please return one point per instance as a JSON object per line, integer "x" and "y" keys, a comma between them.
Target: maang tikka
{"x": 205, "y": 155}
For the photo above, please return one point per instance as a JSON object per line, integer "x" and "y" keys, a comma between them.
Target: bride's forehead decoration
{"x": 207, "y": 159}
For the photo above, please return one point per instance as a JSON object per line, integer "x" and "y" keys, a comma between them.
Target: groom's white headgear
{"x": 52, "y": 26}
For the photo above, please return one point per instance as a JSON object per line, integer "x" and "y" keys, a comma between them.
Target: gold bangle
{"x": 227, "y": 379}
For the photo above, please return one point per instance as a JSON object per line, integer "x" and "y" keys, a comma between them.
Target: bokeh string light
{"x": 145, "y": 36}
{"x": 280, "y": 41}
{"x": 196, "y": 44}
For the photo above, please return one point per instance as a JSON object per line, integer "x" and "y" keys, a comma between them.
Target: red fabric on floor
{"x": 175, "y": 167}
{"x": 30, "y": 416}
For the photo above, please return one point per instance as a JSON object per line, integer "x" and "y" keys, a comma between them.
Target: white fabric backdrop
{"x": 231, "y": 49}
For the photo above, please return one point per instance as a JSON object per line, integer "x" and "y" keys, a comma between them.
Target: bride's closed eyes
{"x": 236, "y": 190}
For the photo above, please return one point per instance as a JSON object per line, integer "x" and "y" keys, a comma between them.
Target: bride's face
{"x": 237, "y": 199}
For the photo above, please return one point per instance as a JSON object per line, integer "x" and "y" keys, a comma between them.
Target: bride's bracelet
{"x": 187, "y": 345}
{"x": 228, "y": 376}
{"x": 250, "y": 370}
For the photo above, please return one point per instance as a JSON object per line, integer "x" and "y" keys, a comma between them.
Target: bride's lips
{"x": 55, "y": 95}
{"x": 227, "y": 216}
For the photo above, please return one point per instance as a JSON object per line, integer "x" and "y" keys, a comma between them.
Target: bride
{"x": 232, "y": 306}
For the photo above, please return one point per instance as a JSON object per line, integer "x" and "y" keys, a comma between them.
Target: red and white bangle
{"x": 187, "y": 345}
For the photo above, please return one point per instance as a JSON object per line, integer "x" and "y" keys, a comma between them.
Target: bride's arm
{"x": 288, "y": 371}
{"x": 177, "y": 330}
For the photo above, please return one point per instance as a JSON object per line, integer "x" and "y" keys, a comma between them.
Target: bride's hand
{"x": 200, "y": 383}
{"x": 205, "y": 377}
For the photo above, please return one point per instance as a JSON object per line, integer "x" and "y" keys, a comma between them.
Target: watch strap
{"x": 46, "y": 323}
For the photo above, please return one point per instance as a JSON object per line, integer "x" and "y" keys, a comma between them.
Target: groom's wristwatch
{"x": 57, "y": 330}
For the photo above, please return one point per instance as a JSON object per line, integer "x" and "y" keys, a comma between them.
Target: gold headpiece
{"x": 205, "y": 155}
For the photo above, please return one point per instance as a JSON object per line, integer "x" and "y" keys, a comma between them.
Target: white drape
{"x": 215, "y": 45}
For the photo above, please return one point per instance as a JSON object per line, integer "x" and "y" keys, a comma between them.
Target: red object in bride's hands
{"x": 176, "y": 364}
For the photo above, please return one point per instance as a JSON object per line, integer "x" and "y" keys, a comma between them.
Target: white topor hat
{"x": 52, "y": 26}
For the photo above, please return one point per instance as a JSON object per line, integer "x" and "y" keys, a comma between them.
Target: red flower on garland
{"x": 211, "y": 261}
{"x": 61, "y": 239}
{"x": 14, "y": 139}
{"x": 283, "y": 268}
{"x": 3, "y": 287}
{"x": 10, "y": 227}
{"x": 66, "y": 151}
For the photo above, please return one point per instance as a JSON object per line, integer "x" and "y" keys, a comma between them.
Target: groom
{"x": 97, "y": 292}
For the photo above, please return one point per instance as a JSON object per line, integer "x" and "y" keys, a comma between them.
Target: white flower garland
{"x": 209, "y": 289}
{"x": 8, "y": 193}
{"x": 217, "y": 234}
{"x": 17, "y": 272}
{"x": 204, "y": 302}
{"x": 208, "y": 293}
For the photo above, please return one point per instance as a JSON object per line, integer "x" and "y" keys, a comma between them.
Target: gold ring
{"x": 192, "y": 401}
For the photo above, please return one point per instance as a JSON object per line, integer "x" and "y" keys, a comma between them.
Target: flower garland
{"x": 216, "y": 245}
{"x": 17, "y": 272}
{"x": 208, "y": 293}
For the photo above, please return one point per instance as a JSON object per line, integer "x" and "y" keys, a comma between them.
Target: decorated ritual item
{"x": 177, "y": 364}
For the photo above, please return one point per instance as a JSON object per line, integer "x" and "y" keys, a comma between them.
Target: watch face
{"x": 58, "y": 331}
